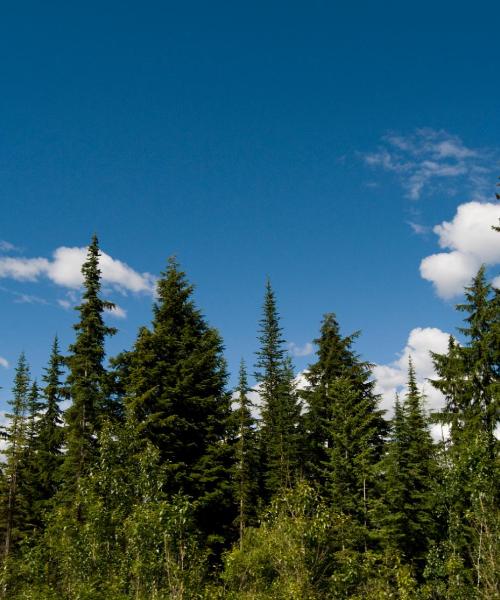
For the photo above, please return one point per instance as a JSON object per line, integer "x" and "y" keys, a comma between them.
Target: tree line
{"x": 157, "y": 481}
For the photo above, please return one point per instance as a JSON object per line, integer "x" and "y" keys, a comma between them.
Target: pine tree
{"x": 356, "y": 434}
{"x": 280, "y": 428}
{"x": 335, "y": 360}
{"x": 468, "y": 376}
{"x": 345, "y": 427}
{"x": 86, "y": 371}
{"x": 175, "y": 389}
{"x": 410, "y": 472}
{"x": 480, "y": 355}
{"x": 16, "y": 435}
{"x": 245, "y": 473}
{"x": 50, "y": 436}
{"x": 28, "y": 481}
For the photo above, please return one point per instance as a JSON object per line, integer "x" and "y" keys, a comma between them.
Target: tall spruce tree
{"x": 345, "y": 427}
{"x": 335, "y": 360}
{"x": 410, "y": 473}
{"x": 50, "y": 436}
{"x": 280, "y": 427}
{"x": 468, "y": 376}
{"x": 175, "y": 389}
{"x": 245, "y": 469}
{"x": 29, "y": 481}
{"x": 15, "y": 433}
{"x": 86, "y": 371}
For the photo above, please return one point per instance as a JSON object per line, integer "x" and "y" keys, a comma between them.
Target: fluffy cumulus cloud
{"x": 434, "y": 161}
{"x": 64, "y": 269}
{"x": 470, "y": 241}
{"x": 392, "y": 378}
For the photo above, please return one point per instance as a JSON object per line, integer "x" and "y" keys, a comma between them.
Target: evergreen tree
{"x": 28, "y": 481}
{"x": 345, "y": 427}
{"x": 410, "y": 472}
{"x": 86, "y": 371}
{"x": 50, "y": 436}
{"x": 245, "y": 473}
{"x": 15, "y": 433}
{"x": 335, "y": 360}
{"x": 280, "y": 428}
{"x": 175, "y": 389}
{"x": 356, "y": 433}
{"x": 480, "y": 355}
{"x": 468, "y": 376}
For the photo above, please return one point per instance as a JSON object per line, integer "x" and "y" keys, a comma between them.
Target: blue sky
{"x": 315, "y": 143}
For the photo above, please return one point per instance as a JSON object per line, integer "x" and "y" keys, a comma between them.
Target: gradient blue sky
{"x": 295, "y": 140}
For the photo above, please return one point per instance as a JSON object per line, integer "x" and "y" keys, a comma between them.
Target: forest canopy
{"x": 158, "y": 481}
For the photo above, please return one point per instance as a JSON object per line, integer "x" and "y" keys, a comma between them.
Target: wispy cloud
{"x": 434, "y": 161}
{"x": 4, "y": 362}
{"x": 6, "y": 246}
{"x": 418, "y": 228}
{"x": 296, "y": 350}
{"x": 20, "y": 298}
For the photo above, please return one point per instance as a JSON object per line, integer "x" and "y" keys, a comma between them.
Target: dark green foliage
{"x": 410, "y": 480}
{"x": 175, "y": 388}
{"x": 469, "y": 378}
{"x": 469, "y": 373}
{"x": 16, "y": 435}
{"x": 143, "y": 496}
{"x": 28, "y": 469}
{"x": 86, "y": 371}
{"x": 280, "y": 426}
{"x": 245, "y": 469}
{"x": 345, "y": 427}
{"x": 50, "y": 431}
{"x": 336, "y": 361}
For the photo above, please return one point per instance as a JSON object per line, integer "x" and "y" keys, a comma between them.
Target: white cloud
{"x": 296, "y": 350}
{"x": 6, "y": 246}
{"x": 471, "y": 242}
{"x": 4, "y": 362}
{"x": 23, "y": 269}
{"x": 66, "y": 304}
{"x": 392, "y": 378}
{"x": 118, "y": 312}
{"x": 449, "y": 272}
{"x": 64, "y": 269}
{"x": 418, "y": 228}
{"x": 431, "y": 160}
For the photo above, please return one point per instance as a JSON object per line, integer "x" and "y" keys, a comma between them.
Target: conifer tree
{"x": 246, "y": 455}
{"x": 15, "y": 433}
{"x": 468, "y": 376}
{"x": 28, "y": 470}
{"x": 345, "y": 426}
{"x": 410, "y": 472}
{"x": 86, "y": 370}
{"x": 50, "y": 436}
{"x": 335, "y": 360}
{"x": 480, "y": 355}
{"x": 175, "y": 389}
{"x": 280, "y": 428}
